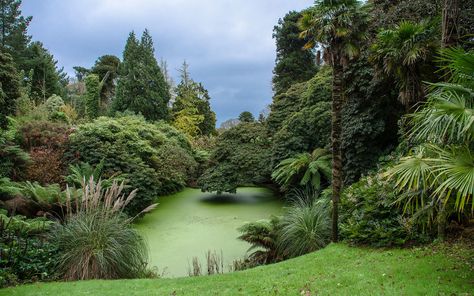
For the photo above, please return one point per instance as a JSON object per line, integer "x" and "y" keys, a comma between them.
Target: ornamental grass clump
{"x": 96, "y": 240}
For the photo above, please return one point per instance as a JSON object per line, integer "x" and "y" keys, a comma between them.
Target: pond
{"x": 190, "y": 223}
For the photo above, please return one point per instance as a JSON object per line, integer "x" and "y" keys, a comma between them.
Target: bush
{"x": 154, "y": 158}
{"x": 96, "y": 241}
{"x": 13, "y": 160}
{"x": 304, "y": 228}
{"x": 46, "y": 142}
{"x": 25, "y": 255}
{"x": 369, "y": 216}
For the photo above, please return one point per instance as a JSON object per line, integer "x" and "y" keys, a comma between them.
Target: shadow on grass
{"x": 239, "y": 198}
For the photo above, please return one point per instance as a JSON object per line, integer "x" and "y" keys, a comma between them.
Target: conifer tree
{"x": 9, "y": 88}
{"x": 92, "y": 95}
{"x": 141, "y": 87}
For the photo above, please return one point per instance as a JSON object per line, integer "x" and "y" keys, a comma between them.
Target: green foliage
{"x": 9, "y": 88}
{"x": 300, "y": 118}
{"x": 292, "y": 65}
{"x": 191, "y": 109}
{"x": 263, "y": 236}
{"x": 92, "y": 95}
{"x": 141, "y": 86}
{"x": 304, "y": 228}
{"x": 107, "y": 68}
{"x": 13, "y": 160}
{"x": 96, "y": 241}
{"x": 246, "y": 116}
{"x": 402, "y": 52}
{"x": 370, "y": 217}
{"x": 25, "y": 255}
{"x": 241, "y": 156}
{"x": 135, "y": 149}
{"x": 304, "y": 169}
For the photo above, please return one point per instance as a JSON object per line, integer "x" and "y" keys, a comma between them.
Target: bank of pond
{"x": 187, "y": 225}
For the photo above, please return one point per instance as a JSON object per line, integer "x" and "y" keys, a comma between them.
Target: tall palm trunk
{"x": 450, "y": 33}
{"x": 336, "y": 135}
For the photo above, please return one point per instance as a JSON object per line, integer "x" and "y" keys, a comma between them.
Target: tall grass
{"x": 96, "y": 240}
{"x": 304, "y": 228}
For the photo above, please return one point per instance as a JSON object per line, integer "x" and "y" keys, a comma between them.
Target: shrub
{"x": 13, "y": 160}
{"x": 25, "y": 254}
{"x": 154, "y": 158}
{"x": 304, "y": 228}
{"x": 96, "y": 241}
{"x": 369, "y": 216}
{"x": 46, "y": 142}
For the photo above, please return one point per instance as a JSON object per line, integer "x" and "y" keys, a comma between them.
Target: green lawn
{"x": 336, "y": 270}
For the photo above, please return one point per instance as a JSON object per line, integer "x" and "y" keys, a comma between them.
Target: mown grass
{"x": 335, "y": 270}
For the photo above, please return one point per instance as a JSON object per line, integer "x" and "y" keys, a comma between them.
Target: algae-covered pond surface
{"x": 189, "y": 223}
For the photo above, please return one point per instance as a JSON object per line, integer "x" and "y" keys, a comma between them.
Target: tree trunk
{"x": 450, "y": 33}
{"x": 336, "y": 134}
{"x": 441, "y": 220}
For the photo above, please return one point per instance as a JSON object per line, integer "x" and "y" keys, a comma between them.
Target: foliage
{"x": 9, "y": 88}
{"x": 402, "y": 52}
{"x": 263, "y": 236}
{"x": 96, "y": 241}
{"x": 246, "y": 116}
{"x": 107, "y": 68}
{"x": 441, "y": 169}
{"x": 25, "y": 255}
{"x": 292, "y": 64}
{"x": 241, "y": 156}
{"x": 141, "y": 86}
{"x": 191, "y": 108}
{"x": 135, "y": 149}
{"x": 304, "y": 228}
{"x": 81, "y": 172}
{"x": 304, "y": 169}
{"x": 300, "y": 118}
{"x": 92, "y": 95}
{"x": 370, "y": 217}
{"x": 46, "y": 142}
{"x": 13, "y": 160}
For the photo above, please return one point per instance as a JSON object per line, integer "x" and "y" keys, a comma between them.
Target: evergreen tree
{"x": 47, "y": 79}
{"x": 192, "y": 99}
{"x": 9, "y": 88}
{"x": 13, "y": 30}
{"x": 246, "y": 116}
{"x": 106, "y": 67}
{"x": 293, "y": 64}
{"x": 141, "y": 86}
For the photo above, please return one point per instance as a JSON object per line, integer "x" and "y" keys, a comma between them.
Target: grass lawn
{"x": 335, "y": 270}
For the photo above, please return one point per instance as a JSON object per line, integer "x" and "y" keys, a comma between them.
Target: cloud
{"x": 228, "y": 44}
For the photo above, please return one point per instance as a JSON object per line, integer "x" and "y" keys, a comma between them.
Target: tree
{"x": 337, "y": 26}
{"x": 241, "y": 156}
{"x": 9, "y": 88}
{"x": 450, "y": 25}
{"x": 106, "y": 67}
{"x": 246, "y": 116}
{"x": 440, "y": 171}
{"x": 47, "y": 78}
{"x": 402, "y": 52}
{"x": 293, "y": 64}
{"x": 92, "y": 95}
{"x": 304, "y": 169}
{"x": 192, "y": 105}
{"x": 141, "y": 86}
{"x": 13, "y": 29}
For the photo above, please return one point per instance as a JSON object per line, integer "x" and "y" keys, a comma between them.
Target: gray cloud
{"x": 228, "y": 44}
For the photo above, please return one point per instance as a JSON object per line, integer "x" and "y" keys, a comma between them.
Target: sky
{"x": 227, "y": 43}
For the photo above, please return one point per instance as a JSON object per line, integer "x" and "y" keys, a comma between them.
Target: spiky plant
{"x": 304, "y": 228}
{"x": 96, "y": 239}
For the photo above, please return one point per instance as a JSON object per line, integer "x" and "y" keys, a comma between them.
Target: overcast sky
{"x": 228, "y": 43}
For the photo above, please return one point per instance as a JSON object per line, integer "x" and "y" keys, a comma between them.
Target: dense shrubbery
{"x": 154, "y": 158}
{"x": 369, "y": 215}
{"x": 25, "y": 254}
{"x": 241, "y": 157}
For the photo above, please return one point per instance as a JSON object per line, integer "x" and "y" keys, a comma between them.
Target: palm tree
{"x": 336, "y": 26}
{"x": 304, "y": 169}
{"x": 450, "y": 31}
{"x": 442, "y": 169}
{"x": 400, "y": 53}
